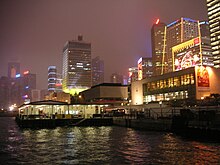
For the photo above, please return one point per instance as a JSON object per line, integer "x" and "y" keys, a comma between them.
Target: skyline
{"x": 34, "y": 32}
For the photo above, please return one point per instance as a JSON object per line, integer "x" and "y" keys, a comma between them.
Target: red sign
{"x": 202, "y": 77}
{"x": 196, "y": 41}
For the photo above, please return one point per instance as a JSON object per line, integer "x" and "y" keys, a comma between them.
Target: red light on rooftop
{"x": 158, "y": 20}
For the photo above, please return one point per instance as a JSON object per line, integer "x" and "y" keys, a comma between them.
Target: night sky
{"x": 33, "y": 32}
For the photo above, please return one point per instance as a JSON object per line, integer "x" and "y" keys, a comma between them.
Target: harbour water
{"x": 99, "y": 145}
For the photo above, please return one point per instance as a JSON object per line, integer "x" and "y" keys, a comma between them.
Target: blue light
{"x": 204, "y": 22}
{"x": 172, "y": 23}
{"x": 188, "y": 19}
{"x": 18, "y": 75}
{"x": 27, "y": 87}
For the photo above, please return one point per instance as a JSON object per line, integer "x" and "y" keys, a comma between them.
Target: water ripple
{"x": 99, "y": 145}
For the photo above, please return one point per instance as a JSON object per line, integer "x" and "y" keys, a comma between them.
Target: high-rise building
{"x": 4, "y": 92}
{"x": 214, "y": 24}
{"x": 13, "y": 69}
{"x": 145, "y": 68}
{"x": 76, "y": 66}
{"x": 28, "y": 84}
{"x": 177, "y": 32}
{"x": 59, "y": 82}
{"x": 158, "y": 33}
{"x": 132, "y": 74}
{"x": 52, "y": 76}
{"x": 207, "y": 58}
{"x": 97, "y": 71}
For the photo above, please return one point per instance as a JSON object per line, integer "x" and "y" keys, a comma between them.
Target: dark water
{"x": 99, "y": 145}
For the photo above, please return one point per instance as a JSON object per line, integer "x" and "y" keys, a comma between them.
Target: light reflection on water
{"x": 99, "y": 145}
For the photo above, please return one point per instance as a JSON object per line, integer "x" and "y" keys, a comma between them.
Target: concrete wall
{"x": 106, "y": 92}
{"x": 137, "y": 92}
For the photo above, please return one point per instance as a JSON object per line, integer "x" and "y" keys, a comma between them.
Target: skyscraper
{"x": 28, "y": 84}
{"x": 214, "y": 24}
{"x": 52, "y": 76}
{"x": 76, "y": 66}
{"x": 145, "y": 68}
{"x": 132, "y": 74}
{"x": 207, "y": 58}
{"x": 158, "y": 31}
{"x": 13, "y": 69}
{"x": 178, "y": 32}
{"x": 97, "y": 71}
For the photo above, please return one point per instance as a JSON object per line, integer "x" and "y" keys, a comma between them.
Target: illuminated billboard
{"x": 202, "y": 76}
{"x": 140, "y": 72}
{"x": 187, "y": 54}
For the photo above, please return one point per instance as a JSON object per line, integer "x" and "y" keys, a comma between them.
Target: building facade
{"x": 132, "y": 74}
{"x": 97, "y": 71}
{"x": 194, "y": 52}
{"x": 52, "y": 76}
{"x": 158, "y": 41}
{"x": 189, "y": 84}
{"x": 214, "y": 24}
{"x": 76, "y": 66}
{"x": 4, "y": 92}
{"x": 178, "y": 32}
{"x": 106, "y": 93}
{"x": 145, "y": 68}
{"x": 13, "y": 69}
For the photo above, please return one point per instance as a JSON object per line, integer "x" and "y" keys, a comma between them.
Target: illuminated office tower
{"x": 132, "y": 74}
{"x": 145, "y": 68}
{"x": 13, "y": 69}
{"x": 97, "y": 71}
{"x": 28, "y": 84}
{"x": 177, "y": 32}
{"x": 52, "y": 76}
{"x": 76, "y": 66}
{"x": 158, "y": 32}
{"x": 214, "y": 24}
{"x": 206, "y": 50}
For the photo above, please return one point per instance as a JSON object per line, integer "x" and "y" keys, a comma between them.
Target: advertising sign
{"x": 202, "y": 77}
{"x": 187, "y": 54}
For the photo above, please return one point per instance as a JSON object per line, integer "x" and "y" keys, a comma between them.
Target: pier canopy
{"x": 56, "y": 109}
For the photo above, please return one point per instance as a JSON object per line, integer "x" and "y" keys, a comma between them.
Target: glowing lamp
{"x": 58, "y": 85}
{"x": 18, "y": 75}
{"x": 26, "y": 72}
{"x": 158, "y": 20}
{"x": 196, "y": 41}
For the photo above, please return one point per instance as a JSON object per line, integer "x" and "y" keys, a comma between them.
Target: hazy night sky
{"x": 33, "y": 32}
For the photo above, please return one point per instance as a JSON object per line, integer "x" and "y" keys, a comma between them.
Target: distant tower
{"x": 13, "y": 69}
{"x": 97, "y": 71}
{"x": 116, "y": 78}
{"x": 28, "y": 84}
{"x": 52, "y": 76}
{"x": 76, "y": 66}
{"x": 214, "y": 24}
{"x": 158, "y": 31}
{"x": 178, "y": 32}
{"x": 145, "y": 68}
